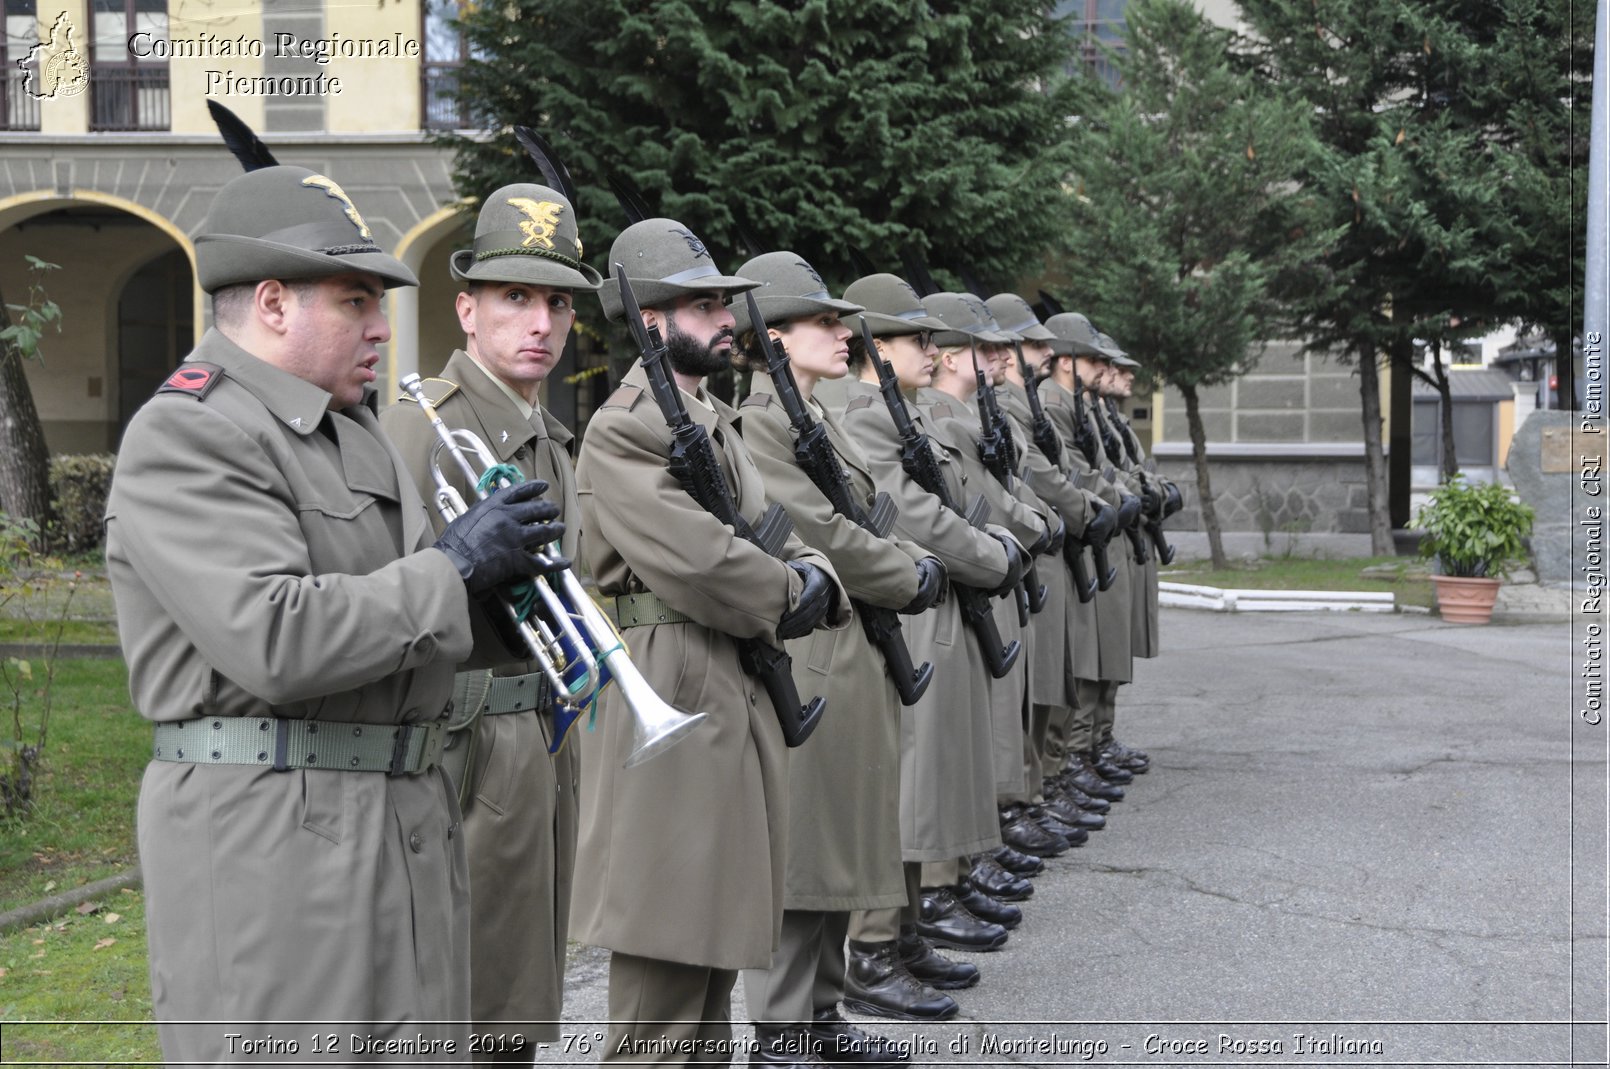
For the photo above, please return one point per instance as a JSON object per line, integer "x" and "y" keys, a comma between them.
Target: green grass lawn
{"x": 82, "y": 825}
{"x": 1402, "y": 576}
{"x": 87, "y": 966}
{"x": 83, "y": 979}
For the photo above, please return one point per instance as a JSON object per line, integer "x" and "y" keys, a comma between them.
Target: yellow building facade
{"x": 109, "y": 159}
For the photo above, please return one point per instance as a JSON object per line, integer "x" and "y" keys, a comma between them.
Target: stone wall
{"x": 1275, "y": 496}
{"x": 1548, "y": 492}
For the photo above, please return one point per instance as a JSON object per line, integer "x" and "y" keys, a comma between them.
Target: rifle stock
{"x": 814, "y": 455}
{"x": 916, "y": 457}
{"x": 694, "y": 464}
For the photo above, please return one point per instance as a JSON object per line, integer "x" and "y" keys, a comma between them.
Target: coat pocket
{"x": 324, "y": 803}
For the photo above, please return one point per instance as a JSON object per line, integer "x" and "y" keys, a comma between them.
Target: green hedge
{"x": 79, "y": 485}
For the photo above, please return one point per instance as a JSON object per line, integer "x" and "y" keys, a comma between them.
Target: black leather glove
{"x": 1042, "y": 544}
{"x": 931, "y": 582}
{"x": 816, "y": 600}
{"x": 1128, "y": 510}
{"x": 1017, "y": 565}
{"x": 1151, "y": 501}
{"x": 1059, "y": 532}
{"x": 1172, "y": 501}
{"x": 492, "y": 542}
{"x": 1103, "y": 523}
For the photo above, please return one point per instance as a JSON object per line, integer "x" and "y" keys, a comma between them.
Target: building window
{"x": 445, "y": 49}
{"x": 1096, "y": 25}
{"x": 128, "y": 92}
{"x": 1475, "y": 439}
{"x": 19, "y": 88}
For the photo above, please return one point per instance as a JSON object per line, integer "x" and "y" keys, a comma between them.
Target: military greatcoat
{"x": 947, "y": 784}
{"x": 844, "y": 785}
{"x": 682, "y": 857}
{"x": 1018, "y": 512}
{"x": 520, "y": 806}
{"x": 266, "y": 559}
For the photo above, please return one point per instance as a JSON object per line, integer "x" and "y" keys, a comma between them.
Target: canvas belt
{"x": 636, "y": 610}
{"x": 517, "y": 694}
{"x": 283, "y": 744}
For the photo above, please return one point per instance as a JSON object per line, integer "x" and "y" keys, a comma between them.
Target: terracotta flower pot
{"x": 1463, "y": 600}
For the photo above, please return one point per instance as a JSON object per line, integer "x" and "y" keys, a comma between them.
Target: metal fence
{"x": 18, "y": 110}
{"x": 439, "y": 95}
{"x": 129, "y": 97}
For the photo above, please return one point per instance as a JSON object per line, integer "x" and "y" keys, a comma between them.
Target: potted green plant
{"x": 1475, "y": 532}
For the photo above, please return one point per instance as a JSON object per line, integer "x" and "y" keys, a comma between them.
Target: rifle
{"x": 1154, "y": 501}
{"x": 998, "y": 453}
{"x": 1083, "y": 438}
{"x": 1109, "y": 440}
{"x": 815, "y": 456}
{"x": 693, "y": 462}
{"x": 1098, "y": 532}
{"x": 1050, "y": 443}
{"x": 917, "y": 458}
{"x": 1045, "y": 435}
{"x": 1129, "y": 515}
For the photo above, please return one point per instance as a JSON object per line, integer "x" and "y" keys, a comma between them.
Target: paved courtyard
{"x": 1355, "y": 845}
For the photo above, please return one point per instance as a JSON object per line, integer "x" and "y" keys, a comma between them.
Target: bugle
{"x": 577, "y": 647}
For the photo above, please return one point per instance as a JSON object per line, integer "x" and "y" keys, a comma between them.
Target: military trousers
{"x": 667, "y": 1013}
{"x": 883, "y": 925}
{"x": 1106, "y": 712}
{"x": 807, "y": 969}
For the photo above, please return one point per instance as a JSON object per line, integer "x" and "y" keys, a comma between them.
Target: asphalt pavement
{"x": 1355, "y": 845}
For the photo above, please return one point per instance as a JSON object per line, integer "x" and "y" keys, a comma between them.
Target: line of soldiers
{"x": 436, "y": 873}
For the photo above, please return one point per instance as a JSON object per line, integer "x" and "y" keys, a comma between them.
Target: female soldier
{"x": 844, "y": 805}
{"x": 947, "y": 784}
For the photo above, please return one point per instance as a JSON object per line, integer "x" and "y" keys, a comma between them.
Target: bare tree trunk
{"x": 1369, "y": 391}
{"x": 1204, "y": 488}
{"x": 1450, "y": 457}
{"x": 1565, "y": 369}
{"x": 24, "y": 460}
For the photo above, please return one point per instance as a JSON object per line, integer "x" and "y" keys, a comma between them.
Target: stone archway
{"x": 100, "y": 247}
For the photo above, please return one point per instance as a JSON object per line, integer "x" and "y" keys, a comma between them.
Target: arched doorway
{"x": 154, "y": 330}
{"x": 101, "y": 250}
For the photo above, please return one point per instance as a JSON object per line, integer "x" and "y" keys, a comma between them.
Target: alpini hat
{"x": 1014, "y": 314}
{"x": 789, "y": 289}
{"x": 526, "y": 233}
{"x": 1111, "y": 350}
{"x": 891, "y": 307}
{"x": 287, "y": 223}
{"x": 663, "y": 261}
{"x": 1073, "y": 335}
{"x": 966, "y": 320}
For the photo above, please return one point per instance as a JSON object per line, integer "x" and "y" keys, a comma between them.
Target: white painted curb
{"x": 1211, "y": 598}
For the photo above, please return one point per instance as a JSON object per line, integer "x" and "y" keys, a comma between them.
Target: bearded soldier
{"x": 516, "y": 309}
{"x": 292, "y": 631}
{"x": 683, "y": 856}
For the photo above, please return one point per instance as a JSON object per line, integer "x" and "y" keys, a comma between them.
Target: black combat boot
{"x": 990, "y": 877}
{"x": 878, "y": 984}
{"x": 986, "y": 908}
{"x": 1086, "y": 778}
{"x": 945, "y": 922}
{"x": 783, "y": 1045}
{"x": 1136, "y": 761}
{"x": 931, "y": 967}
{"x": 1025, "y": 835}
{"x": 1070, "y": 814}
{"x": 838, "y": 1042}
{"x": 1106, "y": 769}
{"x": 1018, "y": 864}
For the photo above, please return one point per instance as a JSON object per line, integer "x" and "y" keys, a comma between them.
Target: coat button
{"x": 416, "y": 842}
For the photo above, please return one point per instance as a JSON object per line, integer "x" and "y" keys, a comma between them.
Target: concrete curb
{"x": 49, "y": 908}
{"x": 1213, "y": 599}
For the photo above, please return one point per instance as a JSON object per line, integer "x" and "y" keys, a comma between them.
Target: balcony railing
{"x": 129, "y": 97}
{"x": 18, "y": 110}
{"x": 439, "y": 94}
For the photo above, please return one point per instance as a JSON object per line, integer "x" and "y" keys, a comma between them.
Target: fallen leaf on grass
{"x": 112, "y": 918}
{"x": 39, "y": 942}
{"x": 102, "y": 944}
{"x": 2, "y": 974}
{"x": 86, "y": 908}
{"x": 39, "y": 953}
{"x": 50, "y": 886}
